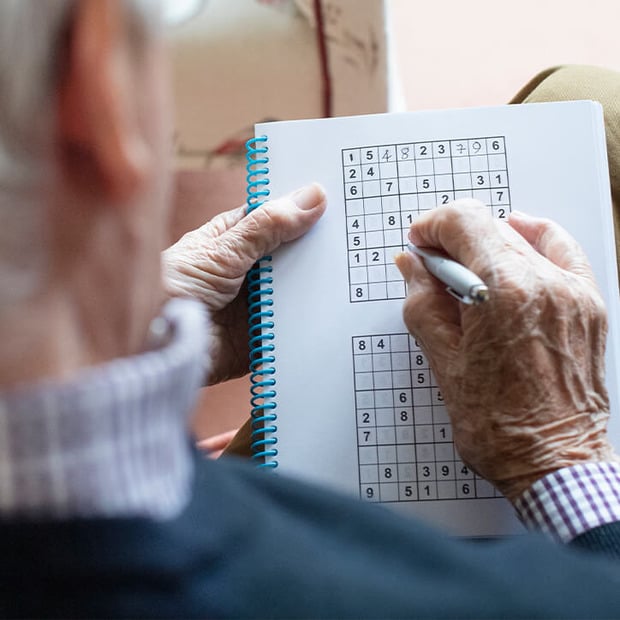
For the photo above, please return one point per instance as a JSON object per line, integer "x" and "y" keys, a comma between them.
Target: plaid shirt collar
{"x": 112, "y": 441}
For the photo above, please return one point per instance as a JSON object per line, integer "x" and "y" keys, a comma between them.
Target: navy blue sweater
{"x": 251, "y": 544}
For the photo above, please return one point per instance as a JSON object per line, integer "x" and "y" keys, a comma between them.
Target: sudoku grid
{"x": 386, "y": 187}
{"x": 404, "y": 438}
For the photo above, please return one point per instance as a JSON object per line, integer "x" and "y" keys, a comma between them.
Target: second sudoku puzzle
{"x": 404, "y": 437}
{"x": 386, "y": 187}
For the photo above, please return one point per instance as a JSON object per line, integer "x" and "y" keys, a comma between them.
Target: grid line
{"x": 386, "y": 187}
{"x": 404, "y": 438}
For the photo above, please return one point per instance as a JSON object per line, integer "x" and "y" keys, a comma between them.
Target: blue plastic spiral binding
{"x": 262, "y": 369}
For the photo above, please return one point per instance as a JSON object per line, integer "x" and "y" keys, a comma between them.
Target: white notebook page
{"x": 357, "y": 406}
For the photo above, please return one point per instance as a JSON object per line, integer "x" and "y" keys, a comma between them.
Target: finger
{"x": 464, "y": 229}
{"x": 262, "y": 230}
{"x": 553, "y": 242}
{"x": 216, "y": 443}
{"x": 430, "y": 313}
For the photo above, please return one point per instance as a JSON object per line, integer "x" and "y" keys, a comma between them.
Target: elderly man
{"x": 105, "y": 508}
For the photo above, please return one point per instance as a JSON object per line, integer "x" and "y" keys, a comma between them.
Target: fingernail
{"x": 309, "y": 197}
{"x": 401, "y": 261}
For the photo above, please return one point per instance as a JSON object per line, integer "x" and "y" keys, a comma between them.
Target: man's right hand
{"x": 522, "y": 375}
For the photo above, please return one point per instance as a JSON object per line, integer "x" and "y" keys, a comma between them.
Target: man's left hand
{"x": 211, "y": 262}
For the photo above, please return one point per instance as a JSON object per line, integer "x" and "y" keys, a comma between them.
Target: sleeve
{"x": 604, "y": 539}
{"x": 579, "y": 503}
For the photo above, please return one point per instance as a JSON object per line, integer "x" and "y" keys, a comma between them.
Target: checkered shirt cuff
{"x": 573, "y": 500}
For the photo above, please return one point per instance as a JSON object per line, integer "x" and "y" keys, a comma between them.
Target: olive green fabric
{"x": 571, "y": 82}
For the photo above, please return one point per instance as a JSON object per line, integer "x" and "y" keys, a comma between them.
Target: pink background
{"x": 480, "y": 52}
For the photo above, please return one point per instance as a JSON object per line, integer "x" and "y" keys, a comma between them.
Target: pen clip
{"x": 465, "y": 299}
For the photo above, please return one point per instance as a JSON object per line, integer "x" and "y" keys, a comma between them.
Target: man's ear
{"x": 100, "y": 141}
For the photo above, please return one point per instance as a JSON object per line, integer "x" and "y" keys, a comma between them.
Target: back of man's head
{"x": 32, "y": 38}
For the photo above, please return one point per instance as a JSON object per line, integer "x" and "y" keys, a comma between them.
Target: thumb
{"x": 278, "y": 221}
{"x": 430, "y": 313}
{"x": 553, "y": 242}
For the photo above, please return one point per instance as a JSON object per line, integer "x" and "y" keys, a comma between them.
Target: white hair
{"x": 30, "y": 38}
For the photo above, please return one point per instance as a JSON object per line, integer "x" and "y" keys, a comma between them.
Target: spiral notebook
{"x": 341, "y": 394}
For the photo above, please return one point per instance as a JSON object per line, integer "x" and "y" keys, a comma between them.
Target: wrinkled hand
{"x": 211, "y": 262}
{"x": 522, "y": 375}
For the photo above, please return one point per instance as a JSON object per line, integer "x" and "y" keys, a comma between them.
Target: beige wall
{"x": 480, "y": 52}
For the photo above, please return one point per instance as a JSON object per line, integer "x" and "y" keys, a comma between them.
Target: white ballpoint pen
{"x": 461, "y": 283}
